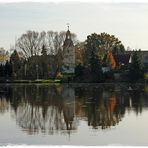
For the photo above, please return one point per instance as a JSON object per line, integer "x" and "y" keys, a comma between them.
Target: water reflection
{"x": 54, "y": 109}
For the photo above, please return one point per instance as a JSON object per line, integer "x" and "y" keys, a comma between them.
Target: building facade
{"x": 68, "y": 55}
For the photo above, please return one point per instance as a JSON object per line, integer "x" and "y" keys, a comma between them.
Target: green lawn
{"x": 35, "y": 81}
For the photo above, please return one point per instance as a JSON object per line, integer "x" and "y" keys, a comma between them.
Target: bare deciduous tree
{"x": 31, "y": 42}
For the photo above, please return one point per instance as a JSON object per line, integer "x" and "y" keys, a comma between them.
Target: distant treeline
{"x": 40, "y": 55}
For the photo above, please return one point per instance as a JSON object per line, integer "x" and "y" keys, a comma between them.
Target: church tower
{"x": 68, "y": 54}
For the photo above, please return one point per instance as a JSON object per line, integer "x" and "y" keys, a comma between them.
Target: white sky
{"x": 127, "y": 21}
{"x": 90, "y": 1}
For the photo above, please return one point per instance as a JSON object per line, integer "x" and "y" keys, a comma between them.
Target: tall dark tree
{"x": 16, "y": 63}
{"x": 79, "y": 72}
{"x": 137, "y": 66}
{"x": 95, "y": 67}
{"x": 8, "y": 69}
{"x": 44, "y": 50}
{"x": 44, "y": 62}
{"x": 1, "y": 70}
{"x": 91, "y": 47}
{"x": 92, "y": 60}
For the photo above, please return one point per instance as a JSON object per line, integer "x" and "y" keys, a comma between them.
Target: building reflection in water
{"x": 59, "y": 109}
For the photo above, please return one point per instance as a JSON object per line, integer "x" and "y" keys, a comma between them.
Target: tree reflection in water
{"x": 58, "y": 109}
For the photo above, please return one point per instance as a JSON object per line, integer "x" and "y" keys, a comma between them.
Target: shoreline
{"x": 30, "y": 81}
{"x": 43, "y": 81}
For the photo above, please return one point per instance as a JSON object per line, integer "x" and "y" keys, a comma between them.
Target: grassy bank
{"x": 31, "y": 81}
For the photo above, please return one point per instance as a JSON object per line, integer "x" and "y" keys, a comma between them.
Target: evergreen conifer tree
{"x": 137, "y": 66}
{"x": 16, "y": 62}
{"x": 44, "y": 50}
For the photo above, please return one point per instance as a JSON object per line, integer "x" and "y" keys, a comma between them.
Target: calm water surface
{"x": 74, "y": 114}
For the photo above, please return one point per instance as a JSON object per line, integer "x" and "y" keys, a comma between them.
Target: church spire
{"x": 68, "y": 26}
{"x": 68, "y": 34}
{"x": 68, "y": 54}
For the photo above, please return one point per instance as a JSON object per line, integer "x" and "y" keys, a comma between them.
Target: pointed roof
{"x": 68, "y": 34}
{"x": 68, "y": 41}
{"x": 122, "y": 58}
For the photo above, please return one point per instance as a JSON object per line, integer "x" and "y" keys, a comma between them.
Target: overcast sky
{"x": 127, "y": 21}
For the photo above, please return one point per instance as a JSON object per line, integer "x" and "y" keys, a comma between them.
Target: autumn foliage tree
{"x": 101, "y": 44}
{"x": 110, "y": 60}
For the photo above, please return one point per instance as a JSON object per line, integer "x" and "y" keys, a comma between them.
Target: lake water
{"x": 105, "y": 114}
